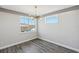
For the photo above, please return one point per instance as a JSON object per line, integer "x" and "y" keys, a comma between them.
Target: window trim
{"x": 52, "y": 22}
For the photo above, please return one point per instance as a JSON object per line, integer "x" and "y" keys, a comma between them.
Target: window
{"x": 51, "y": 20}
{"x": 27, "y": 24}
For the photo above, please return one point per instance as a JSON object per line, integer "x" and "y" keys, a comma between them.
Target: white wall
{"x": 10, "y": 32}
{"x": 66, "y": 33}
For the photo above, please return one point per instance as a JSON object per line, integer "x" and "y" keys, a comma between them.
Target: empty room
{"x": 39, "y": 28}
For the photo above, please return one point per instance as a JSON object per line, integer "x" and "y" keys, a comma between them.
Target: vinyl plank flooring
{"x": 37, "y": 46}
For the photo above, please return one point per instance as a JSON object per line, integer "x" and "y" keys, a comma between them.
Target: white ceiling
{"x": 30, "y": 9}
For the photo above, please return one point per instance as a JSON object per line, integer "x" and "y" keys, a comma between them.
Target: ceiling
{"x": 30, "y": 9}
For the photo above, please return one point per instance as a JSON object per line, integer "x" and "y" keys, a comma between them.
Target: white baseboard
{"x": 17, "y": 43}
{"x": 42, "y": 39}
{"x": 74, "y": 49}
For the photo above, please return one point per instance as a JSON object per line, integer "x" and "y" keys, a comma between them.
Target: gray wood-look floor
{"x": 37, "y": 46}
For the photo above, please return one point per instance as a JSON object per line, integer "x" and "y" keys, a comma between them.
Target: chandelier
{"x": 35, "y": 13}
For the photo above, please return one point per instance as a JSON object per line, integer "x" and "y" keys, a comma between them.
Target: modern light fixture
{"x": 35, "y": 13}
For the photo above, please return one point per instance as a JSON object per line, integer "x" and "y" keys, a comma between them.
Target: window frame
{"x": 52, "y": 22}
{"x": 28, "y": 24}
